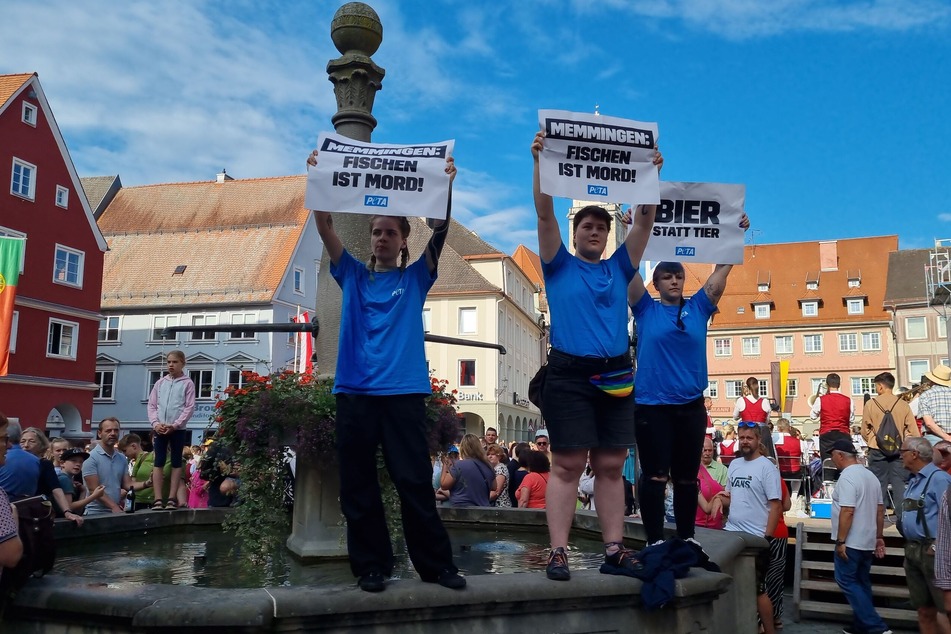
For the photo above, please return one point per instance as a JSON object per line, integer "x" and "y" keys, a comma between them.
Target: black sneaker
{"x": 557, "y": 568}
{"x": 624, "y": 559}
{"x": 372, "y": 582}
{"x": 451, "y": 579}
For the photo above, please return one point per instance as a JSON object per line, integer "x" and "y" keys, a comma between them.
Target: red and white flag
{"x": 305, "y": 347}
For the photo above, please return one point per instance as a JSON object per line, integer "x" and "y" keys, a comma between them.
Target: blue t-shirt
{"x": 474, "y": 480}
{"x": 381, "y": 329}
{"x": 671, "y": 363}
{"x": 589, "y": 303}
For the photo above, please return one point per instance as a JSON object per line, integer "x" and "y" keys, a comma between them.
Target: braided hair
{"x": 405, "y": 228}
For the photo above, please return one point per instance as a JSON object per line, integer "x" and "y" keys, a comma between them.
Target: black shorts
{"x": 578, "y": 414}
{"x": 762, "y": 568}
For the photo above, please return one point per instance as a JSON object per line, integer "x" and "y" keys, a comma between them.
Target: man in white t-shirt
{"x": 858, "y": 519}
{"x": 754, "y": 496}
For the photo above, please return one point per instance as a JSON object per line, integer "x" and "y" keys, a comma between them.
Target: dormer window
{"x": 855, "y": 279}
{"x": 762, "y": 281}
{"x": 762, "y": 288}
{"x": 812, "y": 286}
{"x": 812, "y": 281}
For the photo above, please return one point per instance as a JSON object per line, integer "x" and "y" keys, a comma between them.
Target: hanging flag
{"x": 11, "y": 254}
{"x": 306, "y": 347}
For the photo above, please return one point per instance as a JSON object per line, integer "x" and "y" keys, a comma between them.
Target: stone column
{"x": 317, "y": 531}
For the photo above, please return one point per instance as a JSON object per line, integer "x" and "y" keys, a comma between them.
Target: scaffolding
{"x": 938, "y": 282}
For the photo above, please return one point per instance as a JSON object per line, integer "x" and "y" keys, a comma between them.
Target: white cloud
{"x": 944, "y": 217}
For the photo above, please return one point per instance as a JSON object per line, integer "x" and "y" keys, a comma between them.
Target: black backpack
{"x": 36, "y": 515}
{"x": 887, "y": 436}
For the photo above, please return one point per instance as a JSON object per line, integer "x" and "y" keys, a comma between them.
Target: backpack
{"x": 36, "y": 515}
{"x": 887, "y": 436}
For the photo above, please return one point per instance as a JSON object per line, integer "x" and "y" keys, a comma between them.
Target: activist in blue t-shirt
{"x": 670, "y": 420}
{"x": 381, "y": 385}
{"x": 586, "y": 398}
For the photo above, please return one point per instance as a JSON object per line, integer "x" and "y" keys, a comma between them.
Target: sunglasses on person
{"x": 541, "y": 443}
{"x": 747, "y": 423}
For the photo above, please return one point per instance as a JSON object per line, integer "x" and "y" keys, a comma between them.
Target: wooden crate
{"x": 817, "y": 595}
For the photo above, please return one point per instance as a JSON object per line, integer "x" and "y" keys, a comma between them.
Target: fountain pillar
{"x": 317, "y": 529}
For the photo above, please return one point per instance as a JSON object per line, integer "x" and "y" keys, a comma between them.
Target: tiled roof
{"x": 529, "y": 262}
{"x": 763, "y": 298}
{"x": 9, "y": 84}
{"x": 235, "y": 240}
{"x": 788, "y": 265}
{"x": 465, "y": 241}
{"x": 96, "y": 188}
{"x": 906, "y": 276}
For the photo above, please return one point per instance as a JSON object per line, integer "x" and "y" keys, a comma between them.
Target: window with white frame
{"x": 68, "y": 266}
{"x": 862, "y": 384}
{"x": 106, "y": 380}
{"x": 812, "y": 343}
{"x": 427, "y": 320}
{"x": 792, "y": 387}
{"x": 751, "y": 346}
{"x": 29, "y": 114}
{"x": 713, "y": 389}
{"x": 62, "y": 339}
{"x": 467, "y": 321}
{"x": 942, "y": 327}
{"x": 11, "y": 233}
{"x": 848, "y": 342}
{"x": 761, "y": 311}
{"x": 763, "y": 288}
{"x": 236, "y": 378}
{"x": 723, "y": 346}
{"x": 855, "y": 306}
{"x": 734, "y": 389}
{"x": 23, "y": 180}
{"x": 917, "y": 368}
{"x": 784, "y": 344}
{"x": 916, "y": 328}
{"x": 812, "y": 285}
{"x": 854, "y": 282}
{"x": 815, "y": 383}
{"x": 204, "y": 320}
{"x": 763, "y": 388}
{"x": 154, "y": 376}
{"x": 243, "y": 319}
{"x": 13, "y": 331}
{"x": 160, "y": 323}
{"x": 109, "y": 329}
{"x": 298, "y": 280}
{"x": 467, "y": 373}
{"x": 810, "y": 309}
{"x": 871, "y": 341}
{"x": 203, "y": 378}
{"x": 62, "y": 197}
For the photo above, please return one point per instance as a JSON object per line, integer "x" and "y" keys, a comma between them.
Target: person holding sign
{"x": 670, "y": 421}
{"x": 380, "y": 387}
{"x": 587, "y": 398}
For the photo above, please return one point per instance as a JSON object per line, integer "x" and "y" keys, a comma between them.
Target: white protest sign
{"x": 698, "y": 222}
{"x": 598, "y": 158}
{"x": 378, "y": 178}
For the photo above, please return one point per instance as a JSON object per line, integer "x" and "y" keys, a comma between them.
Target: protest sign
{"x": 698, "y": 222}
{"x": 378, "y": 178}
{"x": 597, "y": 158}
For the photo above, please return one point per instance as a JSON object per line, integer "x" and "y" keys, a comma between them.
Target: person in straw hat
{"x": 934, "y": 405}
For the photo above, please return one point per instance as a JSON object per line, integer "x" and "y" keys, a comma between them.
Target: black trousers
{"x": 398, "y": 423}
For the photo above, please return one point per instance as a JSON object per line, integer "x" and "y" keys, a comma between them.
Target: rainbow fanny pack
{"x": 618, "y": 383}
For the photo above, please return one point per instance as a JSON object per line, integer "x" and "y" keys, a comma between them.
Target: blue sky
{"x": 834, "y": 114}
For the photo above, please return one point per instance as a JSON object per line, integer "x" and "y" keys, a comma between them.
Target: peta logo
{"x": 376, "y": 201}
{"x": 397, "y": 292}
{"x": 598, "y": 190}
{"x": 685, "y": 251}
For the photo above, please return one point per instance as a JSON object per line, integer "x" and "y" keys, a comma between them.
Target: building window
{"x": 854, "y": 282}
{"x": 243, "y": 319}
{"x": 734, "y": 389}
{"x": 154, "y": 376}
{"x": 812, "y": 286}
{"x": 816, "y": 383}
{"x": 467, "y": 373}
{"x": 713, "y": 390}
{"x": 204, "y": 320}
{"x": 812, "y": 343}
{"x": 916, "y": 328}
{"x": 13, "y": 331}
{"x": 204, "y": 382}
{"x": 723, "y": 347}
{"x": 106, "y": 380}
{"x": 917, "y": 369}
{"x": 942, "y": 327}
{"x": 62, "y": 339}
{"x": 68, "y": 266}
{"x": 467, "y": 321}
{"x": 750, "y": 346}
{"x": 861, "y": 385}
{"x": 761, "y": 311}
{"x": 762, "y": 288}
{"x": 792, "y": 388}
{"x": 236, "y": 378}
{"x": 871, "y": 341}
{"x": 763, "y": 388}
{"x": 855, "y": 306}
{"x": 109, "y": 329}
{"x": 160, "y": 323}
{"x": 23, "y": 182}
{"x": 298, "y": 280}
{"x": 427, "y": 320}
{"x": 810, "y": 309}
{"x": 10, "y": 233}
{"x": 29, "y": 113}
{"x": 784, "y": 344}
{"x": 62, "y": 197}
{"x": 848, "y": 342}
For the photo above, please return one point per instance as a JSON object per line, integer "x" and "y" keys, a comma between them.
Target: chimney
{"x": 828, "y": 256}
{"x": 223, "y": 176}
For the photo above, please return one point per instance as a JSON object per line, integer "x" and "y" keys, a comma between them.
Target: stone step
{"x": 893, "y": 616}
{"x": 878, "y": 590}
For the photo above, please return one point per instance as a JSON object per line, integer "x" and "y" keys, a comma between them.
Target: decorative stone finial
{"x": 356, "y": 28}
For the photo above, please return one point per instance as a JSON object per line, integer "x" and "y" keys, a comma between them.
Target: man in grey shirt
{"x": 107, "y": 467}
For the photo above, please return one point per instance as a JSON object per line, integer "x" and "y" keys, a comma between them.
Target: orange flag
{"x": 11, "y": 254}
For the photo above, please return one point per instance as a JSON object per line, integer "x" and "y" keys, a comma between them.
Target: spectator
{"x": 888, "y": 469}
{"x": 534, "y": 487}
{"x": 497, "y": 458}
{"x": 72, "y": 460}
{"x": 517, "y": 469}
{"x": 35, "y": 442}
{"x": 171, "y": 405}
{"x": 728, "y": 446}
{"x": 471, "y": 480}
{"x": 57, "y": 447}
{"x": 142, "y": 463}
{"x": 21, "y": 472}
{"x": 942, "y": 456}
{"x": 107, "y": 467}
{"x": 788, "y": 451}
{"x": 11, "y": 548}
{"x": 217, "y": 468}
{"x": 711, "y": 479}
{"x": 197, "y": 487}
{"x": 835, "y": 412}
{"x": 491, "y": 437}
{"x": 934, "y": 404}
